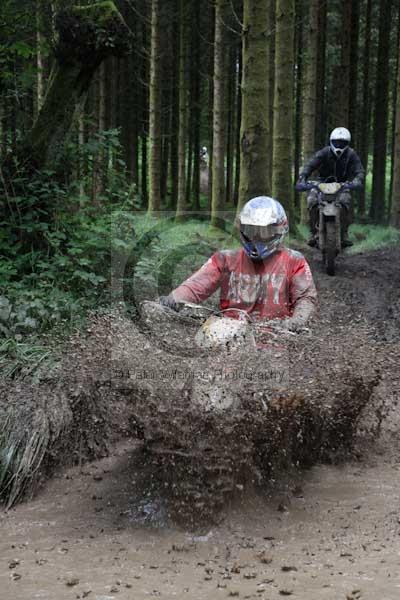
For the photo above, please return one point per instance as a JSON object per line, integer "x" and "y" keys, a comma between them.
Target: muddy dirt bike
{"x": 329, "y": 233}
{"x": 217, "y": 412}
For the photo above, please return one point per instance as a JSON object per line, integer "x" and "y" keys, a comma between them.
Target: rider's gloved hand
{"x": 288, "y": 324}
{"x": 351, "y": 185}
{"x": 293, "y": 324}
{"x": 301, "y": 185}
{"x": 304, "y": 186}
{"x": 169, "y": 302}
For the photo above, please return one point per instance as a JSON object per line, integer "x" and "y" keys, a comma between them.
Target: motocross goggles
{"x": 340, "y": 144}
{"x": 262, "y": 233}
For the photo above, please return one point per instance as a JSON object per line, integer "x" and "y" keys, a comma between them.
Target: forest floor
{"x": 329, "y": 532}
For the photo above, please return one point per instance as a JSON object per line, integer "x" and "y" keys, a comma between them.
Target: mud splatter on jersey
{"x": 278, "y": 287}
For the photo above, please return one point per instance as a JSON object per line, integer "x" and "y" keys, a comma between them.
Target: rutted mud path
{"x": 336, "y": 534}
{"x": 331, "y": 532}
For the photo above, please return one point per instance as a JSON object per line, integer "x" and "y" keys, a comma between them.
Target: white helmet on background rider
{"x": 262, "y": 224}
{"x": 339, "y": 140}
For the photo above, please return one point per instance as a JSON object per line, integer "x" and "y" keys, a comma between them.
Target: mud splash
{"x": 341, "y": 380}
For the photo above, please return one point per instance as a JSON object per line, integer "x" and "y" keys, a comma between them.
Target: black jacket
{"x": 346, "y": 168}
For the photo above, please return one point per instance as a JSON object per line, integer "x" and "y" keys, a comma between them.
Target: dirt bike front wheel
{"x": 330, "y": 249}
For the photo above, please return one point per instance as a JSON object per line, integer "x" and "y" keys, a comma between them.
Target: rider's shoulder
{"x": 225, "y": 257}
{"x": 228, "y": 253}
{"x": 325, "y": 151}
{"x": 293, "y": 254}
{"x": 352, "y": 152}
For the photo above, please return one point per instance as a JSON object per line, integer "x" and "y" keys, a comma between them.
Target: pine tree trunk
{"x": 183, "y": 112}
{"x": 343, "y": 72}
{"x": 395, "y": 207}
{"x": 282, "y": 182}
{"x": 155, "y": 138}
{"x": 230, "y": 124}
{"x": 366, "y": 108}
{"x": 210, "y": 115}
{"x": 270, "y": 74}
{"x": 112, "y": 67}
{"x": 310, "y": 93}
{"x": 166, "y": 132}
{"x": 394, "y": 96}
{"x": 377, "y": 209}
{"x": 144, "y": 105}
{"x": 81, "y": 165}
{"x": 102, "y": 123}
{"x": 320, "y": 121}
{"x": 99, "y": 167}
{"x": 310, "y": 82}
{"x": 238, "y": 101}
{"x": 174, "y": 171}
{"x": 219, "y": 122}
{"x": 39, "y": 64}
{"x": 354, "y": 69}
{"x": 196, "y": 106}
{"x": 298, "y": 81}
{"x": 254, "y": 135}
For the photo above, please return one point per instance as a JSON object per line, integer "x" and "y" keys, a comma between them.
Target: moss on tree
{"x": 85, "y": 36}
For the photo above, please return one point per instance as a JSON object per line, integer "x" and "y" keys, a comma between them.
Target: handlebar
{"x": 335, "y": 187}
{"x": 304, "y": 187}
{"x": 274, "y": 327}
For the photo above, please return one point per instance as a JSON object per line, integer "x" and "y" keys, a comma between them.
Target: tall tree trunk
{"x": 210, "y": 71}
{"x": 166, "y": 133}
{"x": 343, "y": 72}
{"x": 354, "y": 70}
{"x": 377, "y": 210}
{"x": 174, "y": 164}
{"x": 298, "y": 77}
{"x": 112, "y": 67}
{"x": 310, "y": 82}
{"x": 395, "y": 204}
{"x": 365, "y": 119}
{"x": 230, "y": 123}
{"x": 393, "y": 119}
{"x": 144, "y": 105}
{"x": 254, "y": 135}
{"x": 155, "y": 138}
{"x": 238, "y": 101}
{"x": 183, "y": 111}
{"x": 219, "y": 124}
{"x": 99, "y": 166}
{"x": 39, "y": 63}
{"x": 270, "y": 77}
{"x": 282, "y": 183}
{"x": 102, "y": 114}
{"x": 196, "y": 106}
{"x": 320, "y": 121}
{"x": 310, "y": 92}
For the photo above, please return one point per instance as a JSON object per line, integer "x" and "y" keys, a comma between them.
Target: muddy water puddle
{"x": 97, "y": 533}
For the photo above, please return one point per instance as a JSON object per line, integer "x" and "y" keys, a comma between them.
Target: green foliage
{"x": 57, "y": 245}
{"x": 22, "y": 359}
{"x": 164, "y": 253}
{"x": 371, "y": 237}
{"x": 365, "y": 237}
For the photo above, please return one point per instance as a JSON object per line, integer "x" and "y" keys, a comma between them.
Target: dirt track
{"x": 332, "y": 532}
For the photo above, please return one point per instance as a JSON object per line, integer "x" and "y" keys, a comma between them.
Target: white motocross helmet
{"x": 339, "y": 140}
{"x": 262, "y": 224}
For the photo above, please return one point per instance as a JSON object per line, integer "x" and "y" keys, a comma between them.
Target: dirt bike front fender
{"x": 330, "y": 209}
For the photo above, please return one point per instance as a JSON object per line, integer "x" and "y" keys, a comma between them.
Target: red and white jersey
{"x": 274, "y": 288}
